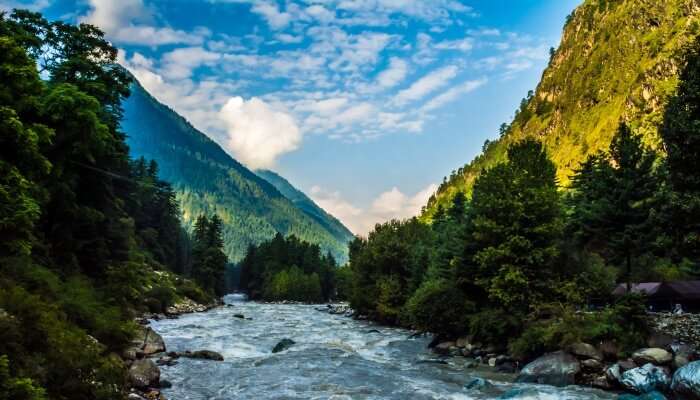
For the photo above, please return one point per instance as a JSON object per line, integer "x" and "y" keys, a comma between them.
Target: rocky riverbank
{"x": 668, "y": 368}
{"x": 147, "y": 352}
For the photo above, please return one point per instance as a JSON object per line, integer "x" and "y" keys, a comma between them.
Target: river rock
{"x": 653, "y": 355}
{"x": 557, "y": 369}
{"x": 463, "y": 342}
{"x": 601, "y": 382}
{"x": 645, "y": 379}
{"x": 614, "y": 373}
{"x": 147, "y": 341}
{"x": 592, "y": 364}
{"x": 203, "y": 355}
{"x": 507, "y": 367}
{"x": 686, "y": 381}
{"x": 626, "y": 365}
{"x": 144, "y": 373}
{"x": 444, "y": 347}
{"x": 585, "y": 351}
{"x": 478, "y": 383}
{"x": 283, "y": 345}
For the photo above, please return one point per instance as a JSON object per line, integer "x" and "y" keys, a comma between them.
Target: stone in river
{"x": 283, "y": 345}
{"x": 645, "y": 379}
{"x": 686, "y": 381}
{"x": 556, "y": 369}
{"x": 652, "y": 355}
{"x": 144, "y": 373}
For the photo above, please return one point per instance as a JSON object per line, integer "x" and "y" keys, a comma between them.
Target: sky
{"x": 365, "y": 105}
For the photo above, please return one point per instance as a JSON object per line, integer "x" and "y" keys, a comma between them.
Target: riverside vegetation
{"x": 89, "y": 237}
{"x": 515, "y": 264}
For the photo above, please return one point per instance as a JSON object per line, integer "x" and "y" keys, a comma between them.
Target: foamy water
{"x": 334, "y": 358}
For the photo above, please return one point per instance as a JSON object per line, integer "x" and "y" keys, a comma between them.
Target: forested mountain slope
{"x": 618, "y": 60}
{"x": 305, "y": 204}
{"x": 208, "y": 180}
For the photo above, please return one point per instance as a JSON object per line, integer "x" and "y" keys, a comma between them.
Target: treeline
{"x": 88, "y": 237}
{"x": 512, "y": 264}
{"x": 288, "y": 269}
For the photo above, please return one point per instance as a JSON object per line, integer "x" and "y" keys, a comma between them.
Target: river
{"x": 334, "y": 357}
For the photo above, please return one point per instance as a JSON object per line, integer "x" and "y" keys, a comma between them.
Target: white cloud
{"x": 270, "y": 11}
{"x": 392, "y": 204}
{"x": 426, "y": 85}
{"x": 181, "y": 63}
{"x": 320, "y": 13}
{"x": 257, "y": 134}
{"x": 394, "y": 74}
{"x": 453, "y": 93}
{"x": 130, "y": 22}
{"x": 465, "y": 44}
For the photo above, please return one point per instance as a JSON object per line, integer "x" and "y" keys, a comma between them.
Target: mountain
{"x": 617, "y": 60}
{"x": 305, "y": 204}
{"x": 208, "y": 180}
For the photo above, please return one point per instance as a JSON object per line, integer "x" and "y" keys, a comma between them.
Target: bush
{"x": 494, "y": 326}
{"x": 438, "y": 306}
{"x": 624, "y": 322}
{"x": 17, "y": 388}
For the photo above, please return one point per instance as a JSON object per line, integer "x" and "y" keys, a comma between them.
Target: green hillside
{"x": 305, "y": 204}
{"x": 209, "y": 181}
{"x": 618, "y": 60}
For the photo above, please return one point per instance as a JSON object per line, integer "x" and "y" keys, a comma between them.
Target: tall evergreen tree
{"x": 612, "y": 201}
{"x": 515, "y": 223}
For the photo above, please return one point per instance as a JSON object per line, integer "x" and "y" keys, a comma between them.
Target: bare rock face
{"x": 144, "y": 373}
{"x": 556, "y": 369}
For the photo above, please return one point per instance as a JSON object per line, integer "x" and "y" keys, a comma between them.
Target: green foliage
{"x": 288, "y": 269}
{"x": 516, "y": 222}
{"x": 557, "y": 326}
{"x": 438, "y": 305}
{"x": 17, "y": 389}
{"x": 612, "y": 198}
{"x": 292, "y": 284}
{"x": 209, "y": 260}
{"x": 84, "y": 231}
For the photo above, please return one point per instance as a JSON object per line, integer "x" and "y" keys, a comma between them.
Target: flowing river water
{"x": 334, "y": 357}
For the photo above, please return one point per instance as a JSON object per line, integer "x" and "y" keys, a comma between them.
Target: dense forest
{"x": 522, "y": 253}
{"x": 288, "y": 269}
{"x": 89, "y": 237}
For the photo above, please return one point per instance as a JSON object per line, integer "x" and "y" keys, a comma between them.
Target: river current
{"x": 334, "y": 357}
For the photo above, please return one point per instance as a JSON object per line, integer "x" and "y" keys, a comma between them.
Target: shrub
{"x": 440, "y": 307}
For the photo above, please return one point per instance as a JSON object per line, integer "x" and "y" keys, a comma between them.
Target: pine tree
{"x": 612, "y": 201}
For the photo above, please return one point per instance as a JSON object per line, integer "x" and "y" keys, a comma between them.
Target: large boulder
{"x": 653, "y": 355}
{"x": 585, "y": 351}
{"x": 557, "y": 369}
{"x": 148, "y": 341}
{"x": 283, "y": 345}
{"x": 686, "y": 381}
{"x": 682, "y": 355}
{"x": 646, "y": 379}
{"x": 144, "y": 373}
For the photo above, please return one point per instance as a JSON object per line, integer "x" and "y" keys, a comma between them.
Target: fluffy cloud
{"x": 426, "y": 85}
{"x": 392, "y": 204}
{"x": 257, "y": 134}
{"x": 130, "y": 22}
{"x": 272, "y": 14}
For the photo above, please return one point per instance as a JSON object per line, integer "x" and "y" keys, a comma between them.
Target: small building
{"x": 663, "y": 296}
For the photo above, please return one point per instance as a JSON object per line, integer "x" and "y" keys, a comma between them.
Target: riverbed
{"x": 334, "y": 357}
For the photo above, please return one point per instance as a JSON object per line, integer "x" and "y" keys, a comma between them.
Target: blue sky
{"x": 363, "y": 104}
